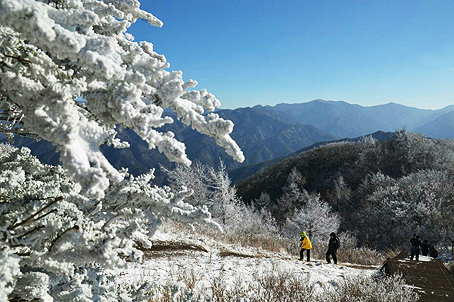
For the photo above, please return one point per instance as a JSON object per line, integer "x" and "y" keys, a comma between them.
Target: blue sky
{"x": 366, "y": 52}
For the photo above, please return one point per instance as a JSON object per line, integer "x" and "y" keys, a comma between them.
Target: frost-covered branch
{"x": 36, "y": 213}
{"x": 52, "y": 52}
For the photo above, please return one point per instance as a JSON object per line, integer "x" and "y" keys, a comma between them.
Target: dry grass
{"x": 378, "y": 289}
{"x": 391, "y": 253}
{"x": 281, "y": 286}
{"x": 450, "y": 267}
{"x": 276, "y": 286}
{"x": 275, "y": 244}
{"x": 362, "y": 256}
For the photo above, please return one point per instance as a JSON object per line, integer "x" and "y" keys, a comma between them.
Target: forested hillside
{"x": 246, "y": 171}
{"x": 383, "y": 191}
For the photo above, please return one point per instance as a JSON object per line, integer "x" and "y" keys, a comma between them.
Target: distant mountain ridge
{"x": 344, "y": 120}
{"x": 265, "y": 133}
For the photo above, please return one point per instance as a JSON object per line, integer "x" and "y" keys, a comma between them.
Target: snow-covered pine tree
{"x": 212, "y": 187}
{"x": 315, "y": 217}
{"x": 263, "y": 202}
{"x": 71, "y": 74}
{"x": 237, "y": 218}
{"x": 227, "y": 205}
{"x": 63, "y": 241}
{"x": 194, "y": 177}
{"x": 52, "y": 52}
{"x": 293, "y": 197}
{"x": 340, "y": 195}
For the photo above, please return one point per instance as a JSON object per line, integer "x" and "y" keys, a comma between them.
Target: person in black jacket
{"x": 333, "y": 245}
{"x": 425, "y": 246}
{"x": 415, "y": 245}
{"x": 433, "y": 252}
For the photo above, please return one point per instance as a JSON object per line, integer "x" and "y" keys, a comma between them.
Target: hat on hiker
{"x": 332, "y": 234}
{"x": 303, "y": 234}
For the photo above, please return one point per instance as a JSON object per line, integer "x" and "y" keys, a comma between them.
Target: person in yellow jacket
{"x": 305, "y": 245}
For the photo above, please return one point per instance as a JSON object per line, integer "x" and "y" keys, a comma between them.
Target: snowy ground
{"x": 234, "y": 271}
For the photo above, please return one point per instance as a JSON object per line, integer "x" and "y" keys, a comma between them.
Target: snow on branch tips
{"x": 54, "y": 51}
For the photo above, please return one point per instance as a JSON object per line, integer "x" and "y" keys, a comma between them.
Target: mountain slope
{"x": 442, "y": 127}
{"x": 338, "y": 118}
{"x": 392, "y": 116}
{"x": 347, "y": 120}
{"x": 398, "y": 155}
{"x": 261, "y": 136}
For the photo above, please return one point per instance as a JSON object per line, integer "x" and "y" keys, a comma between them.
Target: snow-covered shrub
{"x": 315, "y": 217}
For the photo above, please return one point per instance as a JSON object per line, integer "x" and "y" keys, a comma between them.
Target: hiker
{"x": 333, "y": 245}
{"x": 433, "y": 252}
{"x": 415, "y": 245}
{"x": 305, "y": 246}
{"x": 425, "y": 247}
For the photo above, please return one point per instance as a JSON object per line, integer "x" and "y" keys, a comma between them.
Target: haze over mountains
{"x": 268, "y": 132}
{"x": 344, "y": 120}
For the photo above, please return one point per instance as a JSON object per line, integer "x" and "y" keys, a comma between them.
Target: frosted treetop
{"x": 52, "y": 52}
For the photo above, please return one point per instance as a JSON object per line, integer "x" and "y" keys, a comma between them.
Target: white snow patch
{"x": 205, "y": 267}
{"x": 421, "y": 258}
